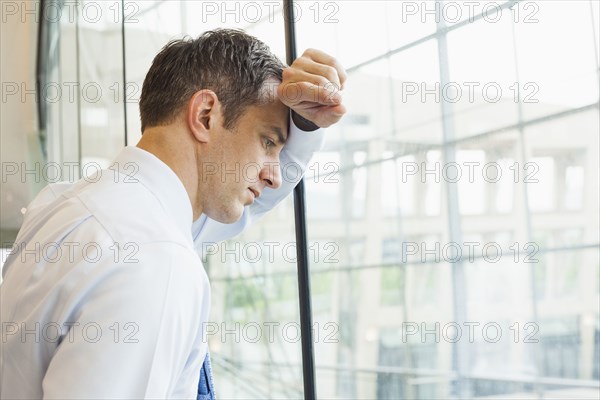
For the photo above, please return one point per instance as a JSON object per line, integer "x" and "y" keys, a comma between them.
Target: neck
{"x": 172, "y": 148}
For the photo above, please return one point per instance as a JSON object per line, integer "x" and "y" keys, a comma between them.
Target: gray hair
{"x": 231, "y": 63}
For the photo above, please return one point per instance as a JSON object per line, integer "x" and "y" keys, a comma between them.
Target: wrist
{"x": 304, "y": 124}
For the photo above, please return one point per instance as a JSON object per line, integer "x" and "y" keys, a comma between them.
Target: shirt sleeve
{"x": 136, "y": 331}
{"x": 294, "y": 158}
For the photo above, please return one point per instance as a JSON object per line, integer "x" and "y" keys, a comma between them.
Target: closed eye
{"x": 269, "y": 143}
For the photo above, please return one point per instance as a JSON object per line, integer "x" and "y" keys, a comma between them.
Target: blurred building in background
{"x": 471, "y": 128}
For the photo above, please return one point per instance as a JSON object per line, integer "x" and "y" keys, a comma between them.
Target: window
{"x": 472, "y": 128}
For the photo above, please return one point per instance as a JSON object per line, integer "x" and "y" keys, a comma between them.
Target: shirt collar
{"x": 144, "y": 167}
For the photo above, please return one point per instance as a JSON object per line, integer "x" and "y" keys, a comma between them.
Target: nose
{"x": 271, "y": 174}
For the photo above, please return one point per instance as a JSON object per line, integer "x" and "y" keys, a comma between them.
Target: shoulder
{"x": 128, "y": 211}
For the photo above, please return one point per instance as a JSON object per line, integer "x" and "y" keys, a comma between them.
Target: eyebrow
{"x": 280, "y": 138}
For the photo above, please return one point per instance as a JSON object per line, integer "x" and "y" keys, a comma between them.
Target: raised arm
{"x": 311, "y": 87}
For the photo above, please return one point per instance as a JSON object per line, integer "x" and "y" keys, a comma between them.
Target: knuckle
{"x": 302, "y": 62}
{"x": 309, "y": 51}
{"x": 305, "y": 89}
{"x": 322, "y": 81}
{"x": 331, "y": 73}
{"x": 342, "y": 74}
{"x": 287, "y": 73}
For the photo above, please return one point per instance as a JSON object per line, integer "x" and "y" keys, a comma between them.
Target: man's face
{"x": 243, "y": 161}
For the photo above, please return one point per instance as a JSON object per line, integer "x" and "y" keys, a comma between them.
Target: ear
{"x": 202, "y": 112}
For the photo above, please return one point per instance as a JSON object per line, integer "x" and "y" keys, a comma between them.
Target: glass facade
{"x": 453, "y": 215}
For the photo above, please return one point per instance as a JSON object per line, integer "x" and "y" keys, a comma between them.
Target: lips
{"x": 254, "y": 192}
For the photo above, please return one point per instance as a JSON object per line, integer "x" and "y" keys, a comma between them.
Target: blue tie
{"x": 205, "y": 386}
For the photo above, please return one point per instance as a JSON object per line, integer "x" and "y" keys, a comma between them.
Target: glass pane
{"x": 254, "y": 333}
{"x": 484, "y": 172}
{"x": 149, "y": 26}
{"x": 414, "y": 101}
{"x": 325, "y": 22}
{"x": 430, "y": 287}
{"x": 560, "y": 63}
{"x": 101, "y": 80}
{"x": 561, "y": 173}
{"x": 408, "y": 21}
{"x": 483, "y": 82}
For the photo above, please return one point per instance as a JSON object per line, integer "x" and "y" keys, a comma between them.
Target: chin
{"x": 228, "y": 216}
{"x": 233, "y": 219}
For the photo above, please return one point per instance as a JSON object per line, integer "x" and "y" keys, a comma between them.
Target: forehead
{"x": 267, "y": 116}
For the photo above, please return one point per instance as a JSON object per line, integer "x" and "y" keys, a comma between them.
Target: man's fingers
{"x": 335, "y": 111}
{"x": 324, "y": 58}
{"x": 324, "y": 116}
{"x": 312, "y": 86}
{"x": 327, "y": 71}
{"x": 292, "y": 94}
{"x": 297, "y": 75}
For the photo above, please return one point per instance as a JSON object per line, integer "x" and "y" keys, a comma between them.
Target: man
{"x": 104, "y": 294}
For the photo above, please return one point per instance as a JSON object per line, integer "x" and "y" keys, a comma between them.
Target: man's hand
{"x": 312, "y": 87}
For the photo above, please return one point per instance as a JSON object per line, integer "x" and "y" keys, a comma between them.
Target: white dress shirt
{"x": 104, "y": 294}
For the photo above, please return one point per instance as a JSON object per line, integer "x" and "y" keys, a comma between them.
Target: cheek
{"x": 251, "y": 172}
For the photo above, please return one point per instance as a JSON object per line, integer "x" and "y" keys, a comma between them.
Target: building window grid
{"x": 521, "y": 125}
